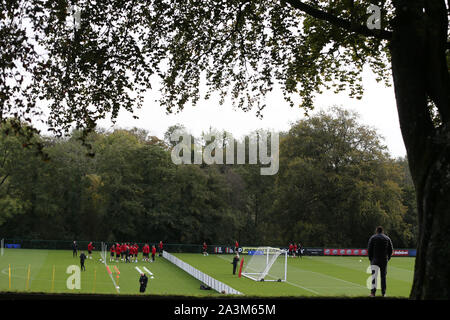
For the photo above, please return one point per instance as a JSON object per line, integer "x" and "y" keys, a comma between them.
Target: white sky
{"x": 377, "y": 109}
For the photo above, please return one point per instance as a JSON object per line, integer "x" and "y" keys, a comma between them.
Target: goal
{"x": 104, "y": 252}
{"x": 266, "y": 264}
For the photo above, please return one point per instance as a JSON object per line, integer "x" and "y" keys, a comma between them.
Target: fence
{"x": 203, "y": 277}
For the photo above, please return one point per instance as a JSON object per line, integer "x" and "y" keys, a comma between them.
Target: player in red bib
{"x": 90, "y": 248}
{"x": 112, "y": 251}
{"x": 136, "y": 252}
{"x": 145, "y": 252}
{"x": 153, "y": 253}
{"x": 123, "y": 250}
{"x": 160, "y": 247}
{"x": 205, "y": 249}
{"x": 118, "y": 252}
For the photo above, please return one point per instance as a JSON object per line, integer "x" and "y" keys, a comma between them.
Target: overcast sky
{"x": 377, "y": 109}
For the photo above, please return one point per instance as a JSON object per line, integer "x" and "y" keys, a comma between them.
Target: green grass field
{"x": 45, "y": 271}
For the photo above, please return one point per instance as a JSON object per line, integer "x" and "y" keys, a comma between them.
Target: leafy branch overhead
{"x": 71, "y": 75}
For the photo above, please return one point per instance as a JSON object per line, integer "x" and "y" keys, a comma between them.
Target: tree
{"x": 336, "y": 182}
{"x": 106, "y": 61}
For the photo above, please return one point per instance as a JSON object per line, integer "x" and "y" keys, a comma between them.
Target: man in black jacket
{"x": 74, "y": 249}
{"x": 143, "y": 282}
{"x": 82, "y": 258}
{"x": 380, "y": 251}
{"x": 235, "y": 262}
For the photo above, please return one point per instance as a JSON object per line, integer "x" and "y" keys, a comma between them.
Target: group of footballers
{"x": 129, "y": 252}
{"x": 295, "y": 249}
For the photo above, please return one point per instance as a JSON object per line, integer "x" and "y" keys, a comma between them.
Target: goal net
{"x": 104, "y": 251}
{"x": 266, "y": 264}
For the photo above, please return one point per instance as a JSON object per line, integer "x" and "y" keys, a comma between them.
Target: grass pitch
{"x": 317, "y": 276}
{"x": 46, "y": 271}
{"x": 48, "y": 274}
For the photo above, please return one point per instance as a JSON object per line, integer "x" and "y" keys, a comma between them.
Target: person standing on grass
{"x": 380, "y": 252}
{"x": 205, "y": 249}
{"x": 300, "y": 249}
{"x": 160, "y": 248}
{"x": 90, "y": 248}
{"x": 145, "y": 252}
{"x": 75, "y": 249}
{"x": 153, "y": 253}
{"x": 127, "y": 253}
{"x": 236, "y": 246}
{"x": 136, "y": 252}
{"x": 143, "y": 282}
{"x": 82, "y": 259}
{"x": 112, "y": 251}
{"x": 122, "y": 251}
{"x": 291, "y": 247}
{"x": 235, "y": 262}
{"x": 117, "y": 252}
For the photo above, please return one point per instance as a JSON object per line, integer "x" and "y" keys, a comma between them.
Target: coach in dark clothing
{"x": 82, "y": 258}
{"x": 74, "y": 249}
{"x": 380, "y": 251}
{"x": 235, "y": 262}
{"x": 143, "y": 282}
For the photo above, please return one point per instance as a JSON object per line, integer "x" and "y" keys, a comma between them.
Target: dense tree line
{"x": 335, "y": 183}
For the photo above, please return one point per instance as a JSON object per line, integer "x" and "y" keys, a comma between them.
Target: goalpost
{"x": 266, "y": 264}
{"x": 104, "y": 251}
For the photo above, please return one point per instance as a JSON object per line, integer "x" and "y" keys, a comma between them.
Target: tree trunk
{"x": 420, "y": 75}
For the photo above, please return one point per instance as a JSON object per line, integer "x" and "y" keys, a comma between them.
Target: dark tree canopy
{"x": 86, "y": 70}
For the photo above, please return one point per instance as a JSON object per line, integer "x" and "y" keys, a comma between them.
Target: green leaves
{"x": 336, "y": 173}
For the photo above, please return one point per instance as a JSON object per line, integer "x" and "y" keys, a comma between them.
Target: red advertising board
{"x": 401, "y": 253}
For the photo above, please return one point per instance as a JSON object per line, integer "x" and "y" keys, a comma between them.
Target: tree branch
{"x": 4, "y": 178}
{"x": 339, "y": 22}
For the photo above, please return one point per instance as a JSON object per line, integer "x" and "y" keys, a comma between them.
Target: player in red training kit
{"x": 160, "y": 248}
{"x": 145, "y": 252}
{"x": 205, "y": 248}
{"x": 90, "y": 248}
{"x": 112, "y": 251}
{"x": 117, "y": 252}
{"x": 136, "y": 252}
{"x": 153, "y": 253}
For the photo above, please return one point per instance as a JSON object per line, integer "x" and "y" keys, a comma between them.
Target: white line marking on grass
{"x": 304, "y": 288}
{"x": 110, "y": 275}
{"x": 149, "y": 272}
{"x": 138, "y": 270}
{"x": 323, "y": 274}
{"x": 292, "y": 284}
{"x": 114, "y": 282}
